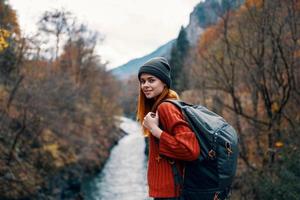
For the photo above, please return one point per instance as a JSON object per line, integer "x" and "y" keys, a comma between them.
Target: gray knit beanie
{"x": 158, "y": 67}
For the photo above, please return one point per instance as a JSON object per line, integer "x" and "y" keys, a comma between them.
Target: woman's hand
{"x": 150, "y": 122}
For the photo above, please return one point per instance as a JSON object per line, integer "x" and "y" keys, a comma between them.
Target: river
{"x": 124, "y": 174}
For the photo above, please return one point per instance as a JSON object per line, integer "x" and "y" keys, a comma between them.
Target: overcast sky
{"x": 132, "y": 28}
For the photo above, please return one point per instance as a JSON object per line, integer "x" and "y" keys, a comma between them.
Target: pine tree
{"x": 178, "y": 54}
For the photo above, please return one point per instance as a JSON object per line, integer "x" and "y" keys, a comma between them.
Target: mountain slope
{"x": 125, "y": 71}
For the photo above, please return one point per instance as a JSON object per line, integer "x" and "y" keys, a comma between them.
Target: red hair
{"x": 145, "y": 105}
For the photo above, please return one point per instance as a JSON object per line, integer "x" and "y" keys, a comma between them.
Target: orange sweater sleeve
{"x": 177, "y": 140}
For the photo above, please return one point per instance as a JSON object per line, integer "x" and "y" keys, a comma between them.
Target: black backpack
{"x": 210, "y": 176}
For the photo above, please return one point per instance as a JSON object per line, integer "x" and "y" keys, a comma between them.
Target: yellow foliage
{"x": 219, "y": 55}
{"x": 4, "y": 35}
{"x": 60, "y": 158}
{"x": 52, "y": 149}
{"x": 275, "y": 107}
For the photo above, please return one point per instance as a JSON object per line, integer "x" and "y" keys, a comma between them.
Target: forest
{"x": 55, "y": 104}
{"x": 246, "y": 67}
{"x": 58, "y": 105}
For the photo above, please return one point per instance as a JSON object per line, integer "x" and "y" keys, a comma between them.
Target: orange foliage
{"x": 278, "y": 144}
{"x": 254, "y": 3}
{"x": 210, "y": 35}
{"x": 297, "y": 6}
{"x": 35, "y": 69}
{"x": 297, "y": 54}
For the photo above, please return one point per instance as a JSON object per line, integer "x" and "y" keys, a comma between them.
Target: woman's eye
{"x": 151, "y": 80}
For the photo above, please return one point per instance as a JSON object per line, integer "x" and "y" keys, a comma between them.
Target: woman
{"x": 171, "y": 140}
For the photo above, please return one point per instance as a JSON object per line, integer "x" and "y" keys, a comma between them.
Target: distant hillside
{"x": 125, "y": 71}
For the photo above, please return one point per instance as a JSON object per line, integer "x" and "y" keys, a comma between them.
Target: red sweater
{"x": 178, "y": 142}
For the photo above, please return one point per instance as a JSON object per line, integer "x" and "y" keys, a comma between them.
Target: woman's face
{"x": 151, "y": 85}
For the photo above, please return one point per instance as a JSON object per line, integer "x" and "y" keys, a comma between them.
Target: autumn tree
{"x": 79, "y": 52}
{"x": 59, "y": 126}
{"x": 254, "y": 67}
{"x": 55, "y": 23}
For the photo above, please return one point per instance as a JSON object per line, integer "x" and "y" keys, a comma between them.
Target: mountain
{"x": 131, "y": 68}
{"x": 205, "y": 13}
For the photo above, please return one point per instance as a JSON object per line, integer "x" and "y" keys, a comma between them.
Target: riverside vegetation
{"x": 57, "y": 107}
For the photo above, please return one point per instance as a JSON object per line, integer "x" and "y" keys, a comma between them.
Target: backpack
{"x": 210, "y": 176}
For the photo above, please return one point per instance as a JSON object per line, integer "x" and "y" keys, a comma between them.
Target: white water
{"x": 124, "y": 174}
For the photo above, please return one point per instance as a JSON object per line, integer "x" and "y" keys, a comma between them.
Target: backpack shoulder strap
{"x": 180, "y": 104}
{"x": 173, "y": 101}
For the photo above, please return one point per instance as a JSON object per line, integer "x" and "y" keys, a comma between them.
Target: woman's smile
{"x": 151, "y": 85}
{"x": 147, "y": 92}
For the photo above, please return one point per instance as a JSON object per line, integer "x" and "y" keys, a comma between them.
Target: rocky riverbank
{"x": 56, "y": 169}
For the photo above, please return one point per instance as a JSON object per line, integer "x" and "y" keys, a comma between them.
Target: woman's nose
{"x": 146, "y": 84}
